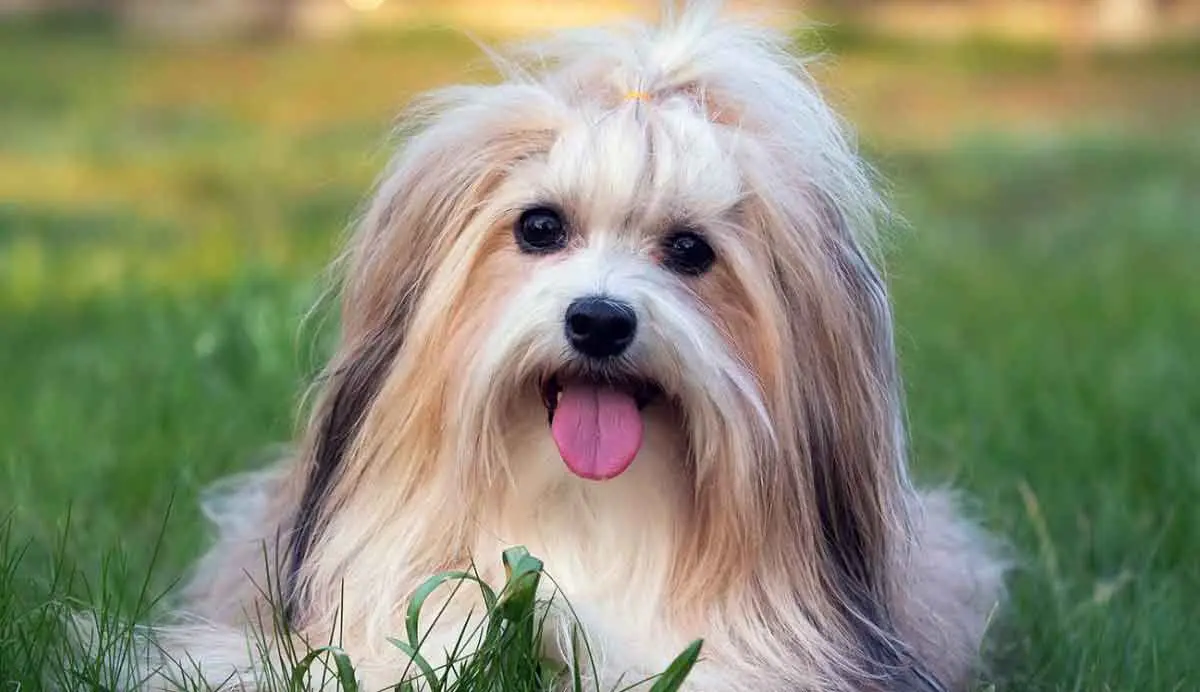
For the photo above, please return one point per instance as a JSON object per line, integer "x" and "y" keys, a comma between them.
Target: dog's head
{"x": 668, "y": 222}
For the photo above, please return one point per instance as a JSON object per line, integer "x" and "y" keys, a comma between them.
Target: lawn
{"x": 165, "y": 213}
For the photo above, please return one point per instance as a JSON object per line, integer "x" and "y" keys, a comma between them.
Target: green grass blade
{"x": 427, "y": 671}
{"x": 523, "y": 573}
{"x": 345, "y": 669}
{"x": 673, "y": 677}
{"x": 412, "y": 617}
{"x": 576, "y": 675}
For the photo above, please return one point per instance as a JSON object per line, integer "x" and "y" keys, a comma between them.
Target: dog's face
{"x": 613, "y": 272}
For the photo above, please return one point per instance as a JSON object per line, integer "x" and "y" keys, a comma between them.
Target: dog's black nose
{"x": 600, "y": 327}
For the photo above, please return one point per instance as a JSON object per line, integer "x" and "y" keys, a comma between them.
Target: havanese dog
{"x": 621, "y": 308}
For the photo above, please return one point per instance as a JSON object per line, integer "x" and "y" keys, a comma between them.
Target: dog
{"x": 623, "y": 308}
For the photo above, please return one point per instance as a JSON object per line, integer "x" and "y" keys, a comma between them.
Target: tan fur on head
{"x": 768, "y": 509}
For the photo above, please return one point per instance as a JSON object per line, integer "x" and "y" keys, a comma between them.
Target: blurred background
{"x": 175, "y": 174}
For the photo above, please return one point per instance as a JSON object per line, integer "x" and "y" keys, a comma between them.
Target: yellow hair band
{"x": 637, "y": 96}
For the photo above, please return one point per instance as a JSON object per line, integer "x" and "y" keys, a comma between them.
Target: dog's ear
{"x": 838, "y": 410}
{"x": 846, "y": 448}
{"x": 430, "y": 192}
{"x": 858, "y": 461}
{"x": 852, "y": 438}
{"x": 350, "y": 387}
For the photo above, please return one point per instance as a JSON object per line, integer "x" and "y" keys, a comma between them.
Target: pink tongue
{"x": 598, "y": 430}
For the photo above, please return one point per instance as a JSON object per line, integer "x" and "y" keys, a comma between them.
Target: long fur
{"x": 768, "y": 511}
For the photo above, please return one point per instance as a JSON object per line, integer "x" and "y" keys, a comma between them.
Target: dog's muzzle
{"x": 594, "y": 406}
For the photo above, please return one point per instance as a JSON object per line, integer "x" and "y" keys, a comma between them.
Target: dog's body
{"x": 657, "y": 244}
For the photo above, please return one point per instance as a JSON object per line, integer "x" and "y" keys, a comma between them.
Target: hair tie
{"x": 637, "y": 96}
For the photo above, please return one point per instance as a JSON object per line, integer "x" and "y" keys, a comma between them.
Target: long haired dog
{"x": 619, "y": 309}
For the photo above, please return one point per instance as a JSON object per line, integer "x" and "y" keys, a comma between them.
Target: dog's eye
{"x": 540, "y": 230}
{"x": 686, "y": 252}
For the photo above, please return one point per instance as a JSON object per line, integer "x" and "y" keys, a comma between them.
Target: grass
{"x": 165, "y": 213}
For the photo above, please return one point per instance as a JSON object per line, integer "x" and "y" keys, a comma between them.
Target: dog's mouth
{"x": 596, "y": 422}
